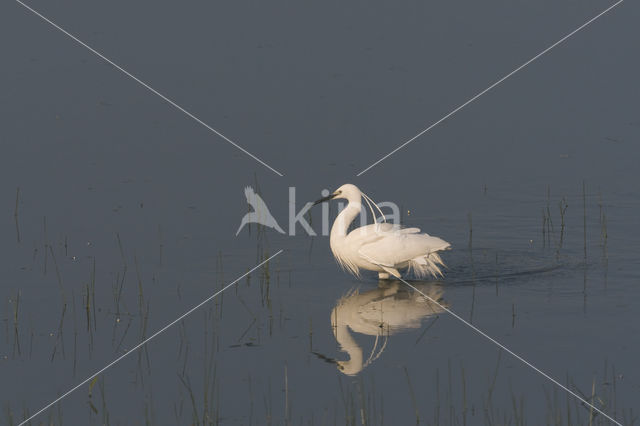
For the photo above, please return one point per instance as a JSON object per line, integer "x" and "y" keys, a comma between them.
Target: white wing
{"x": 374, "y": 232}
{"x": 391, "y": 245}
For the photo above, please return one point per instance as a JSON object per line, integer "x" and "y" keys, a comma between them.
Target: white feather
{"x": 382, "y": 247}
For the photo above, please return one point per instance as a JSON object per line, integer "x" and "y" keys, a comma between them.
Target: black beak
{"x": 327, "y": 198}
{"x": 325, "y": 358}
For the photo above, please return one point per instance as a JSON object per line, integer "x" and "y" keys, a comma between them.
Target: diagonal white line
{"x": 515, "y": 355}
{"x": 145, "y": 85}
{"x": 145, "y": 341}
{"x": 492, "y": 86}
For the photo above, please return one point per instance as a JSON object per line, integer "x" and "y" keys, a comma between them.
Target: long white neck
{"x": 344, "y": 219}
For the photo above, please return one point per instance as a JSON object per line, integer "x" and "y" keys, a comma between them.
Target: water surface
{"x": 127, "y": 210}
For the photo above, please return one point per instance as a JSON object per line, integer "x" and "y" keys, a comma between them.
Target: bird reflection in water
{"x": 390, "y": 308}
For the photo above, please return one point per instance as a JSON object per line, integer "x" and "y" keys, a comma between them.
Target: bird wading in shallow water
{"x": 381, "y": 247}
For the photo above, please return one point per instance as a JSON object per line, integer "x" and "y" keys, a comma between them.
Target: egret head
{"x": 347, "y": 191}
{"x": 351, "y": 367}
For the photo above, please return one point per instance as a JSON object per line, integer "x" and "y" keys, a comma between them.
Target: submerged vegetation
{"x": 247, "y": 357}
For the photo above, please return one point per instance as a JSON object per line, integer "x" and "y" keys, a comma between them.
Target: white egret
{"x": 380, "y": 247}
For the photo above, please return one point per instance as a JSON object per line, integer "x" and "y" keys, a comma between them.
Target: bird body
{"x": 381, "y": 247}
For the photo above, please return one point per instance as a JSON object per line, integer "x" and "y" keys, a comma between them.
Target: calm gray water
{"x": 127, "y": 211}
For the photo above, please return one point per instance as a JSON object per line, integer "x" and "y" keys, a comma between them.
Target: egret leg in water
{"x": 381, "y": 247}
